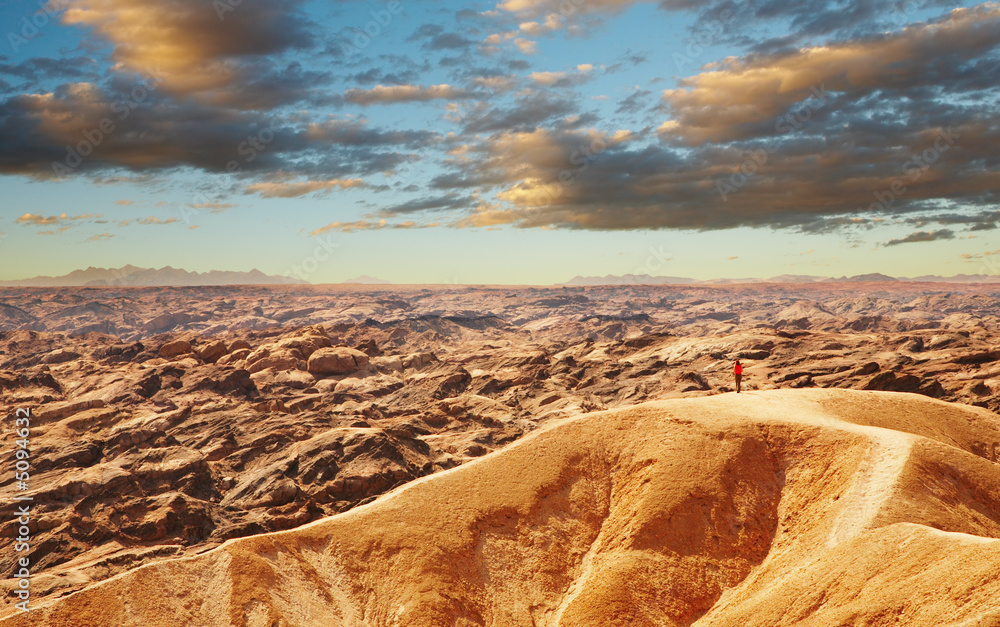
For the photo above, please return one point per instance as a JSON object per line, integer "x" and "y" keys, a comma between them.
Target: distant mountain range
{"x": 132, "y": 276}
{"x": 150, "y": 277}
{"x": 645, "y": 279}
{"x": 364, "y": 279}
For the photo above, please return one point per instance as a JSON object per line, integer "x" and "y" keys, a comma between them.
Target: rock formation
{"x": 256, "y": 409}
{"x": 786, "y": 507}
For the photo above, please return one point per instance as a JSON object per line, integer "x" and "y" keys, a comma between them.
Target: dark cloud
{"x": 381, "y": 76}
{"x": 635, "y": 102}
{"x": 198, "y": 48}
{"x": 629, "y": 59}
{"x": 979, "y": 221}
{"x": 451, "y": 202}
{"x": 161, "y": 134}
{"x": 434, "y": 37}
{"x": 41, "y": 69}
{"x": 528, "y": 112}
{"x": 750, "y": 24}
{"x": 397, "y": 94}
{"x": 357, "y": 133}
{"x": 835, "y": 172}
{"x": 922, "y": 236}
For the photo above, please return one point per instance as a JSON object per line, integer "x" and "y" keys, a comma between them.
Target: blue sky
{"x": 523, "y": 141}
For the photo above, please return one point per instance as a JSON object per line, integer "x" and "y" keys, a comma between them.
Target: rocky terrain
{"x": 780, "y": 508}
{"x": 170, "y": 420}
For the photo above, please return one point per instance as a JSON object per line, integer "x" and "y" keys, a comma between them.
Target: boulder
{"x": 338, "y": 360}
{"x": 165, "y": 322}
{"x": 173, "y": 349}
{"x": 234, "y": 356}
{"x": 60, "y": 356}
{"x": 211, "y": 352}
{"x": 390, "y": 363}
{"x": 278, "y": 361}
{"x": 239, "y": 345}
{"x": 307, "y": 345}
{"x": 419, "y": 360}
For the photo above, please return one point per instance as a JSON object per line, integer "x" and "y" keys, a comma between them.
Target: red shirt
{"x": 738, "y": 369}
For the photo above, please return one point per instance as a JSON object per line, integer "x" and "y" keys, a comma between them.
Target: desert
{"x": 500, "y": 313}
{"x": 507, "y": 455}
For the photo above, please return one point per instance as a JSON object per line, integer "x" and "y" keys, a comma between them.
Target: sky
{"x": 517, "y": 142}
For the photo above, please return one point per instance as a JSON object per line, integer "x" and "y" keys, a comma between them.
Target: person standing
{"x": 738, "y": 371}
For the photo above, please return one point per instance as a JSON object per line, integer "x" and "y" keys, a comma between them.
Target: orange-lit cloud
{"x": 741, "y": 98}
{"x": 187, "y": 42}
{"x": 366, "y": 225}
{"x": 38, "y": 220}
{"x": 155, "y": 220}
{"x": 284, "y": 189}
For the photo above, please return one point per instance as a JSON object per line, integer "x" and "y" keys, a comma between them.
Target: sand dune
{"x": 784, "y": 507}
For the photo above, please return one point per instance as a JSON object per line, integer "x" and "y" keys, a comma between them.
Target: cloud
{"x": 554, "y": 177}
{"x": 563, "y": 79}
{"x": 728, "y": 21}
{"x": 521, "y": 127}
{"x": 99, "y": 237}
{"x": 731, "y": 156}
{"x": 31, "y": 218}
{"x": 37, "y": 220}
{"x": 214, "y": 207}
{"x": 526, "y": 46}
{"x": 979, "y": 221}
{"x": 971, "y": 256}
{"x": 366, "y": 225}
{"x": 395, "y": 94}
{"x": 565, "y": 9}
{"x": 525, "y": 164}
{"x": 199, "y": 48}
{"x": 283, "y": 189}
{"x": 530, "y": 110}
{"x": 39, "y": 69}
{"x": 634, "y": 102}
{"x": 922, "y": 236}
{"x": 496, "y": 83}
{"x": 353, "y": 132}
{"x": 749, "y": 97}
{"x": 155, "y": 220}
{"x": 434, "y": 38}
{"x": 452, "y": 201}
{"x": 40, "y": 130}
